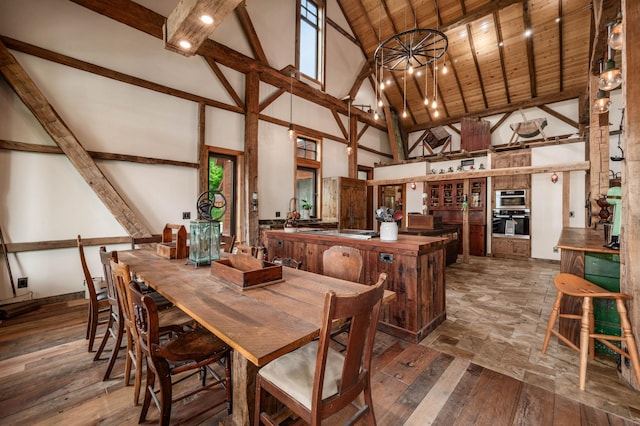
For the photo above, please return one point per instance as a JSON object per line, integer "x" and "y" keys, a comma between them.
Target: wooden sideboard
{"x": 414, "y": 265}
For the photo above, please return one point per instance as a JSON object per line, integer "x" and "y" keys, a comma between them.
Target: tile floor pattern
{"x": 497, "y": 313}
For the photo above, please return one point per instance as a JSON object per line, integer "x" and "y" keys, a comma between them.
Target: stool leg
{"x": 584, "y": 339}
{"x": 628, "y": 338}
{"x": 592, "y": 330}
{"x": 552, "y": 321}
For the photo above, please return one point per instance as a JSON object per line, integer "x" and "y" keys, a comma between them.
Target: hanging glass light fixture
{"x": 611, "y": 77}
{"x": 616, "y": 35}
{"x": 602, "y": 102}
{"x": 410, "y": 50}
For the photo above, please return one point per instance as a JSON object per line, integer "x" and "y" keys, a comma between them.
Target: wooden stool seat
{"x": 572, "y": 285}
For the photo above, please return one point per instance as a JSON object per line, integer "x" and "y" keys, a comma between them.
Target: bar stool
{"x": 572, "y": 285}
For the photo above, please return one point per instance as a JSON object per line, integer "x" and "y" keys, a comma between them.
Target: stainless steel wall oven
{"x": 511, "y": 199}
{"x": 511, "y": 223}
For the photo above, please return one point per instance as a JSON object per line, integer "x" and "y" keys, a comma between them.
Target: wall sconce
{"x": 554, "y": 177}
{"x": 413, "y": 185}
{"x": 254, "y": 202}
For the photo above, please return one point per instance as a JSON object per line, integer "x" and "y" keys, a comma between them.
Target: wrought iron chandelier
{"x": 406, "y": 52}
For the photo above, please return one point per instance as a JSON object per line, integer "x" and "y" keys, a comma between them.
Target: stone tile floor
{"x": 497, "y": 313}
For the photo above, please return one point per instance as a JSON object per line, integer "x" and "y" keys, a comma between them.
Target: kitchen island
{"x": 414, "y": 266}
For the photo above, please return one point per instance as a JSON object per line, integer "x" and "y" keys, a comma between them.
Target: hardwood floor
{"x": 483, "y": 366}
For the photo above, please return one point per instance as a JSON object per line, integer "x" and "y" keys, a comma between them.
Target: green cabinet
{"x": 603, "y": 269}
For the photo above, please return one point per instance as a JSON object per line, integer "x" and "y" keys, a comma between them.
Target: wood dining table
{"x": 260, "y": 324}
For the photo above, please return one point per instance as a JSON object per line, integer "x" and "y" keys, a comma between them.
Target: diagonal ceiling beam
{"x": 136, "y": 16}
{"x": 526, "y": 16}
{"x": 185, "y": 24}
{"x": 39, "y": 106}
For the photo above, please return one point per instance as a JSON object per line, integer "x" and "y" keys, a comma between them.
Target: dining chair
{"x": 344, "y": 263}
{"x": 170, "y": 315}
{"x": 257, "y": 252}
{"x": 287, "y": 261}
{"x": 115, "y": 326}
{"x": 316, "y": 381}
{"x": 97, "y": 299}
{"x": 194, "y": 350}
{"x": 228, "y": 241}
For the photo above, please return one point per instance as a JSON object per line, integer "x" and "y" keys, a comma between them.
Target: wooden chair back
{"x": 105, "y": 258}
{"x": 287, "y": 261}
{"x": 342, "y": 262}
{"x": 257, "y": 252}
{"x": 352, "y": 369}
{"x": 228, "y": 241}
{"x": 95, "y": 298}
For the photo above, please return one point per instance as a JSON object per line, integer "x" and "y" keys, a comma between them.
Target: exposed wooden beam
{"x": 362, "y": 131}
{"x": 420, "y": 139}
{"x": 475, "y": 14}
{"x": 96, "y": 155}
{"x": 560, "y": 46}
{"x": 340, "y": 125}
{"x": 365, "y": 72}
{"x": 477, "y": 66}
{"x": 559, "y": 116}
{"x": 514, "y": 106}
{"x": 132, "y": 14}
{"x": 55, "y": 127}
{"x": 340, "y": 30}
{"x": 250, "y": 32}
{"x": 107, "y": 73}
{"x": 65, "y": 244}
{"x": 526, "y": 170}
{"x": 499, "y": 123}
{"x": 251, "y": 151}
{"x": 203, "y": 151}
{"x": 498, "y": 27}
{"x": 275, "y": 95}
{"x": 526, "y": 17}
{"x": 225, "y": 82}
{"x": 454, "y": 129}
{"x": 184, "y": 23}
{"x": 454, "y": 70}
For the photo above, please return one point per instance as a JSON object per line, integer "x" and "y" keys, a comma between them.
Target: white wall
{"x": 546, "y": 198}
{"x": 44, "y": 198}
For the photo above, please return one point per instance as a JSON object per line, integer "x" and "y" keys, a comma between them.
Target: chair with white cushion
{"x": 316, "y": 381}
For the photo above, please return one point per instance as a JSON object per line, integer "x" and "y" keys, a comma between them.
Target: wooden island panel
{"x": 414, "y": 265}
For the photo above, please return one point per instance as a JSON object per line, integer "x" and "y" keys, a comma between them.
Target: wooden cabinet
{"x": 505, "y": 160}
{"x": 513, "y": 248}
{"x": 414, "y": 266}
{"x": 445, "y": 201}
{"x": 344, "y": 201}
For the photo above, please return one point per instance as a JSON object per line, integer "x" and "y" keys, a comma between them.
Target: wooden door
{"x": 353, "y": 206}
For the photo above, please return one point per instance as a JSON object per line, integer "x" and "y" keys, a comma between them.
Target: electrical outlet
{"x": 555, "y": 249}
{"x": 23, "y": 282}
{"x": 572, "y": 214}
{"x": 186, "y": 215}
{"x": 277, "y": 214}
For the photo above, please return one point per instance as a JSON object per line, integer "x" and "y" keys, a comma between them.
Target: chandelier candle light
{"x": 408, "y": 51}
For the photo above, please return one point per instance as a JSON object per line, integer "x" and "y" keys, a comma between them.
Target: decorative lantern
{"x": 204, "y": 240}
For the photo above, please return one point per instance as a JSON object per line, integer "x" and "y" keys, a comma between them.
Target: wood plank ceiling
{"x": 493, "y": 67}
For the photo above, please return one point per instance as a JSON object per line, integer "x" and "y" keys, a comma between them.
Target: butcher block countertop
{"x": 584, "y": 239}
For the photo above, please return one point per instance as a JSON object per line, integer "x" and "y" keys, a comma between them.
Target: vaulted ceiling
{"x": 493, "y": 66}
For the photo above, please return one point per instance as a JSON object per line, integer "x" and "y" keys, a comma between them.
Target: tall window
{"x": 310, "y": 53}
{"x": 308, "y": 166}
{"x": 222, "y": 177}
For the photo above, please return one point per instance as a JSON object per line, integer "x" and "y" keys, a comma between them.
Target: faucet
{"x": 295, "y": 204}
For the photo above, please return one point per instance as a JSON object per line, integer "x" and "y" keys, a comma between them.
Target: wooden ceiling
{"x": 492, "y": 66}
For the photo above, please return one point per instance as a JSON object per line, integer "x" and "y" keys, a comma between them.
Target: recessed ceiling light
{"x": 206, "y": 19}
{"x": 528, "y": 32}
{"x": 185, "y": 44}
{"x": 557, "y": 20}
{"x": 501, "y": 44}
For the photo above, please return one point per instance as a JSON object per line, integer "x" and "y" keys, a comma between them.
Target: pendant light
{"x": 291, "y": 130}
{"x": 616, "y": 35}
{"x": 611, "y": 77}
{"x": 602, "y": 102}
